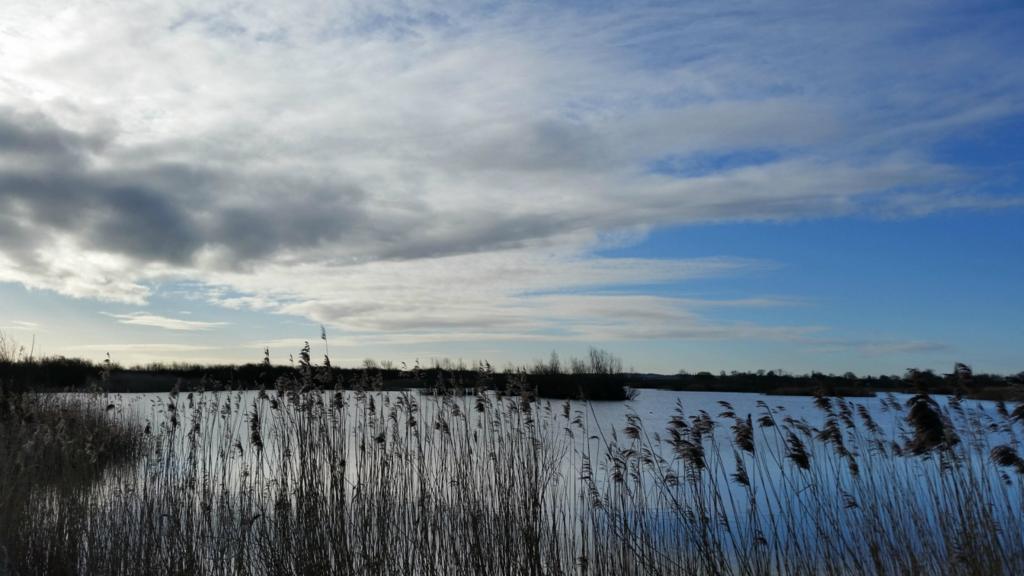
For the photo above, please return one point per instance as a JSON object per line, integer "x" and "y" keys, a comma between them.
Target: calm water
{"x": 654, "y": 407}
{"x": 829, "y": 479}
{"x": 604, "y": 420}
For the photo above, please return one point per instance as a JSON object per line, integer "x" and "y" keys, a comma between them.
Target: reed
{"x": 303, "y": 477}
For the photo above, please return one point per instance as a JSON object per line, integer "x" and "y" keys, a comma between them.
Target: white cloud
{"x": 141, "y": 353}
{"x": 142, "y": 347}
{"x": 516, "y": 292}
{"x": 875, "y": 348}
{"x": 23, "y": 325}
{"x": 155, "y": 321}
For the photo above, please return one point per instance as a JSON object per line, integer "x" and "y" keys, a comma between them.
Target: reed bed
{"x": 299, "y": 479}
{"x": 53, "y": 449}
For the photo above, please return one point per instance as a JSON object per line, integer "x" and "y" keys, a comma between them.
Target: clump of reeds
{"x": 1005, "y": 455}
{"x": 931, "y": 429}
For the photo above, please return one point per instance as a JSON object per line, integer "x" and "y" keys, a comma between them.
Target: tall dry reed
{"x": 299, "y": 479}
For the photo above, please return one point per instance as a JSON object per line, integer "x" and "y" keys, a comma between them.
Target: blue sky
{"x": 690, "y": 185}
{"x": 943, "y": 285}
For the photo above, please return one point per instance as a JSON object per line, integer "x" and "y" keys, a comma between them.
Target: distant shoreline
{"x": 72, "y": 374}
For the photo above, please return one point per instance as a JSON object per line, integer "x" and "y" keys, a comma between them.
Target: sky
{"x": 726, "y": 185}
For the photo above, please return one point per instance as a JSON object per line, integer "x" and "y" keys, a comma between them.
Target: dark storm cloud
{"x": 47, "y": 186}
{"x": 26, "y": 135}
{"x": 145, "y": 223}
{"x": 14, "y": 236}
{"x": 155, "y": 211}
{"x": 305, "y": 219}
{"x": 473, "y": 232}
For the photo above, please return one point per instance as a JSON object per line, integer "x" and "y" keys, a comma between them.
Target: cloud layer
{"x": 443, "y": 168}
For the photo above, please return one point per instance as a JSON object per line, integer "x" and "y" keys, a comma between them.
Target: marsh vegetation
{"x": 299, "y": 480}
{"x": 310, "y": 474}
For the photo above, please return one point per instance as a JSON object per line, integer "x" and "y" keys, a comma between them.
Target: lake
{"x": 671, "y": 482}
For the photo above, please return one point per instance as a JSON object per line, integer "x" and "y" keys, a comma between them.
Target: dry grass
{"x": 297, "y": 480}
{"x": 55, "y": 450}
